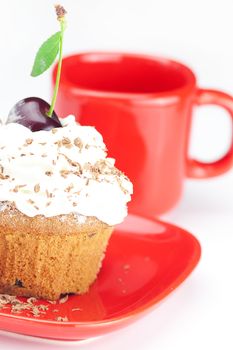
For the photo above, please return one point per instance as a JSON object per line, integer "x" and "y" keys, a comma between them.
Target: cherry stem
{"x": 58, "y": 76}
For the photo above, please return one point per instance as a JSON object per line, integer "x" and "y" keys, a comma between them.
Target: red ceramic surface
{"x": 142, "y": 105}
{"x": 145, "y": 261}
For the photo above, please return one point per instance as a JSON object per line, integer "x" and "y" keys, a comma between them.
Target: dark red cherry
{"x": 32, "y": 113}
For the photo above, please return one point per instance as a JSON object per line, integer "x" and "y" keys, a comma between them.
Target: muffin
{"x": 60, "y": 197}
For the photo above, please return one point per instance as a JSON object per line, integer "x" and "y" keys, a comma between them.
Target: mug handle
{"x": 201, "y": 170}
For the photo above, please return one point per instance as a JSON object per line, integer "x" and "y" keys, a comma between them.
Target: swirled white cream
{"x": 62, "y": 171}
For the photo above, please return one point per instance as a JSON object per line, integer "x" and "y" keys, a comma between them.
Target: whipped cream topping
{"x": 62, "y": 171}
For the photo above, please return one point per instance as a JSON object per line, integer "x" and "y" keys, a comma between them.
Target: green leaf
{"x": 46, "y": 55}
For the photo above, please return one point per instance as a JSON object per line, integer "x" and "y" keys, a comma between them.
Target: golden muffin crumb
{"x": 46, "y": 257}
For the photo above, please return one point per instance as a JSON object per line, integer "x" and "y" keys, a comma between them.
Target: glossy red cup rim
{"x": 74, "y": 88}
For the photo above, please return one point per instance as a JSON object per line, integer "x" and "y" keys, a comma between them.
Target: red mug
{"x": 142, "y": 106}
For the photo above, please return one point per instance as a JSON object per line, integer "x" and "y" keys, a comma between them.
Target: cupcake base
{"x": 46, "y": 257}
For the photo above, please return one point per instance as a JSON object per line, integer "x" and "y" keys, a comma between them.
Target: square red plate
{"x": 145, "y": 261}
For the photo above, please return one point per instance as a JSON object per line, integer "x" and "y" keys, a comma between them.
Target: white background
{"x": 200, "y": 33}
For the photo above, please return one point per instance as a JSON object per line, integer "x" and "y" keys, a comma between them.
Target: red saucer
{"x": 145, "y": 261}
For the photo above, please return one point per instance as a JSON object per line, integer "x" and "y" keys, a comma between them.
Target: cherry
{"x": 32, "y": 113}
